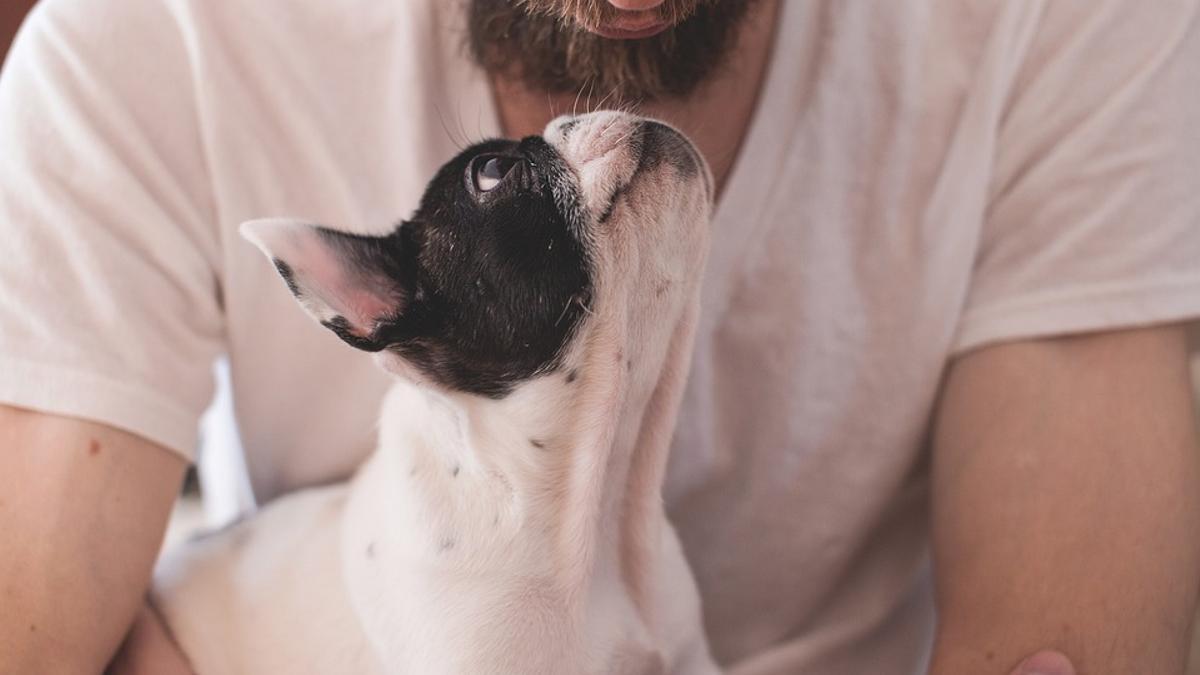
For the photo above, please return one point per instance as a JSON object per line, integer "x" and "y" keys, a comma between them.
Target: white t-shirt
{"x": 920, "y": 178}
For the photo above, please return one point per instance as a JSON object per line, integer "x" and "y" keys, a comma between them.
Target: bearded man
{"x": 954, "y": 250}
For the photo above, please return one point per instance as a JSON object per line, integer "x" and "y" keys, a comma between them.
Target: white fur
{"x": 524, "y": 535}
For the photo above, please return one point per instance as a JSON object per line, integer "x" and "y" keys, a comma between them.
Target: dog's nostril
{"x": 567, "y": 126}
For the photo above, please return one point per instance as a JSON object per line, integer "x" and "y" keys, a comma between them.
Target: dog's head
{"x": 515, "y": 246}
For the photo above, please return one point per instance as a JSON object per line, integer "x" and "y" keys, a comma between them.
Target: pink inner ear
{"x": 328, "y": 284}
{"x": 363, "y": 307}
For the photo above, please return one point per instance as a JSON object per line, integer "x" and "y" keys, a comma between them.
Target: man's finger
{"x": 1045, "y": 663}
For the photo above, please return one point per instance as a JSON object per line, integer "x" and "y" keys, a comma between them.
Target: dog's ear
{"x": 354, "y": 285}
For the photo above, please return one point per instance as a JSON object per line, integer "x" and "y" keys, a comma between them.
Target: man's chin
{"x": 631, "y": 56}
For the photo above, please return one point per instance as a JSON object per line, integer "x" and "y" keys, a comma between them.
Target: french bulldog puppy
{"x": 537, "y": 313}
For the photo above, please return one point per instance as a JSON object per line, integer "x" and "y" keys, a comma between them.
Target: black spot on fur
{"x": 342, "y": 329}
{"x": 537, "y": 444}
{"x": 289, "y": 277}
{"x": 455, "y": 470}
{"x": 572, "y": 376}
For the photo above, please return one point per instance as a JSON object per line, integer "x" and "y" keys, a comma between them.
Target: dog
{"x": 537, "y": 313}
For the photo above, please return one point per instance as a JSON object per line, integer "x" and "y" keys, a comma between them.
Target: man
{"x": 953, "y": 254}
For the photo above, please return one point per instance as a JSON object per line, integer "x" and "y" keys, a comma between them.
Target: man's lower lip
{"x": 623, "y": 34}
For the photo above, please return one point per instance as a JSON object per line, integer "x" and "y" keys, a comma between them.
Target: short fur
{"x": 511, "y": 519}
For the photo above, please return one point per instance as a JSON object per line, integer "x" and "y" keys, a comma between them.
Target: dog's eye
{"x": 489, "y": 171}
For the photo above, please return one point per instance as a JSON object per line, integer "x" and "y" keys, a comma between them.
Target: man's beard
{"x": 541, "y": 44}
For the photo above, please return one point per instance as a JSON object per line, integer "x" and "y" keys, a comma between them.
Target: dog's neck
{"x": 564, "y": 460}
{"x": 555, "y": 487}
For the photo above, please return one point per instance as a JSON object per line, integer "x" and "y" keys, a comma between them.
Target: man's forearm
{"x": 82, "y": 511}
{"x": 1065, "y": 506}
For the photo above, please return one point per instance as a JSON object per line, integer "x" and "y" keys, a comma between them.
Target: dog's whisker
{"x": 611, "y": 92}
{"x": 462, "y": 127}
{"x": 564, "y": 311}
{"x": 575, "y": 105}
{"x": 442, "y": 121}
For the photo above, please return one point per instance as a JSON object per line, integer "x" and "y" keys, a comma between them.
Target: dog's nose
{"x": 597, "y": 134}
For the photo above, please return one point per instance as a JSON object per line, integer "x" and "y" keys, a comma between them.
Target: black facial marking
{"x": 612, "y": 204}
{"x": 661, "y": 143}
{"x": 491, "y": 283}
{"x": 571, "y": 376}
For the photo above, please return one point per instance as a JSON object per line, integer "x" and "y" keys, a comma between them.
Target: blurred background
{"x": 221, "y": 449}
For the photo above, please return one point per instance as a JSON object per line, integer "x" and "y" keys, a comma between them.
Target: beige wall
{"x": 11, "y": 13}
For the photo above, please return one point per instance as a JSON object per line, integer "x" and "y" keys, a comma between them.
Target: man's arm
{"x": 1066, "y": 505}
{"x": 83, "y": 508}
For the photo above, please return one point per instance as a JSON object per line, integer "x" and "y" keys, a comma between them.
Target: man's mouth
{"x": 632, "y": 27}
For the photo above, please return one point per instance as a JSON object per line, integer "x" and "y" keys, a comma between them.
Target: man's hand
{"x": 1066, "y": 505}
{"x": 83, "y": 508}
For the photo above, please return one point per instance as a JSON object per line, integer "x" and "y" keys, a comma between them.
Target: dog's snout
{"x": 662, "y": 142}
{"x": 610, "y": 151}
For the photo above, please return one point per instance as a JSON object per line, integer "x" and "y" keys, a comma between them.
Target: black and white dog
{"x": 538, "y": 311}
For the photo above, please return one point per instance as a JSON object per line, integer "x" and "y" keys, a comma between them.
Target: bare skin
{"x": 83, "y": 508}
{"x": 1066, "y": 509}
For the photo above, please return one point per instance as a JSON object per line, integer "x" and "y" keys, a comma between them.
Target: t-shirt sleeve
{"x": 109, "y": 300}
{"x": 1093, "y": 221}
